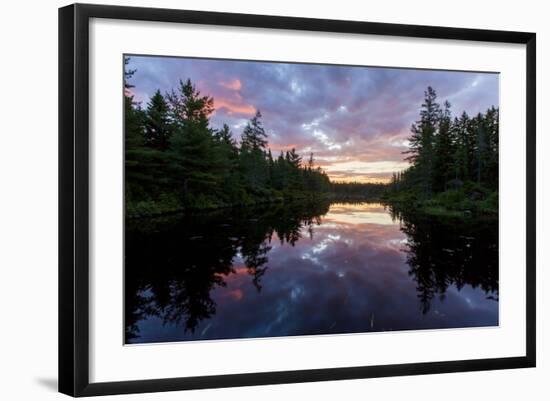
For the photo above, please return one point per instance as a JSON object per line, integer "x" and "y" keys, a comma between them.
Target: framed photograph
{"x": 250, "y": 199}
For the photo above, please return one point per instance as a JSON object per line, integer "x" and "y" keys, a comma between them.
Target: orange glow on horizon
{"x": 360, "y": 179}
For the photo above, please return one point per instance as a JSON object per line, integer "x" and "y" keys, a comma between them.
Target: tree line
{"x": 174, "y": 158}
{"x": 450, "y": 155}
{"x": 358, "y": 190}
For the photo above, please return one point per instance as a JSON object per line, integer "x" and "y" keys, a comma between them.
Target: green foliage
{"x": 157, "y": 125}
{"x": 254, "y": 137}
{"x": 479, "y": 200}
{"x": 175, "y": 160}
{"x": 454, "y": 162}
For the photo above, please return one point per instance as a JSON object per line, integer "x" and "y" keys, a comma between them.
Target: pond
{"x": 306, "y": 269}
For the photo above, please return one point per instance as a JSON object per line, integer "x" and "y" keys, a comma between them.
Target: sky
{"x": 355, "y": 119}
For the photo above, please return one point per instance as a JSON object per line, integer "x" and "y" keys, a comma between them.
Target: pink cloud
{"x": 234, "y": 84}
{"x": 232, "y": 107}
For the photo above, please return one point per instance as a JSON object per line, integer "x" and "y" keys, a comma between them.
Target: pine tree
{"x": 444, "y": 150}
{"x": 128, "y": 74}
{"x": 254, "y": 137}
{"x": 228, "y": 156}
{"x": 158, "y": 128}
{"x": 482, "y": 148}
{"x": 311, "y": 161}
{"x": 225, "y": 136}
{"x": 279, "y": 172}
{"x": 294, "y": 159}
{"x": 421, "y": 152}
{"x": 195, "y": 159}
{"x": 189, "y": 107}
{"x": 294, "y": 163}
{"x": 464, "y": 148}
{"x": 254, "y": 165}
{"x": 270, "y": 166}
{"x": 144, "y": 173}
{"x": 492, "y": 126}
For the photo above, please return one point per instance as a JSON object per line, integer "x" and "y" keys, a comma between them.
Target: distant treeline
{"x": 358, "y": 189}
{"x": 175, "y": 160}
{"x": 454, "y": 161}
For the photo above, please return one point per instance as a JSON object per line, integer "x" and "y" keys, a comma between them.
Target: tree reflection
{"x": 174, "y": 263}
{"x": 442, "y": 252}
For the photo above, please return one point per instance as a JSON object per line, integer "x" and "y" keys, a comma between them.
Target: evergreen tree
{"x": 294, "y": 163}
{"x": 231, "y": 187}
{"x": 254, "y": 137}
{"x": 294, "y": 159}
{"x": 128, "y": 74}
{"x": 196, "y": 161}
{"x": 225, "y": 136}
{"x": 136, "y": 186}
{"x": 460, "y": 155}
{"x": 421, "y": 148}
{"x": 279, "y": 175}
{"x": 254, "y": 165}
{"x": 464, "y": 148}
{"x": 270, "y": 166}
{"x": 158, "y": 128}
{"x": 189, "y": 107}
{"x": 482, "y": 148}
{"x": 492, "y": 127}
{"x": 310, "y": 162}
{"x": 444, "y": 150}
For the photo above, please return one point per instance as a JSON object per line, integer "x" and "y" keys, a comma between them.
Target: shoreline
{"x": 435, "y": 208}
{"x": 429, "y": 207}
{"x": 328, "y": 197}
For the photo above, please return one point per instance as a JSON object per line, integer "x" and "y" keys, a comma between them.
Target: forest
{"x": 175, "y": 160}
{"x": 453, "y": 162}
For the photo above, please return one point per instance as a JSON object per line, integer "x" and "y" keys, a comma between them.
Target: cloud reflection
{"x": 362, "y": 270}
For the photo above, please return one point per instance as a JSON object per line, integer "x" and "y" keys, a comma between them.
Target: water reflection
{"x": 307, "y": 269}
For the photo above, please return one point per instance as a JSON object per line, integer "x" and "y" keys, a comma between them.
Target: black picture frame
{"x": 74, "y": 198}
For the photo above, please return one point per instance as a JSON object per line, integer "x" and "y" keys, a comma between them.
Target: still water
{"x": 307, "y": 269}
